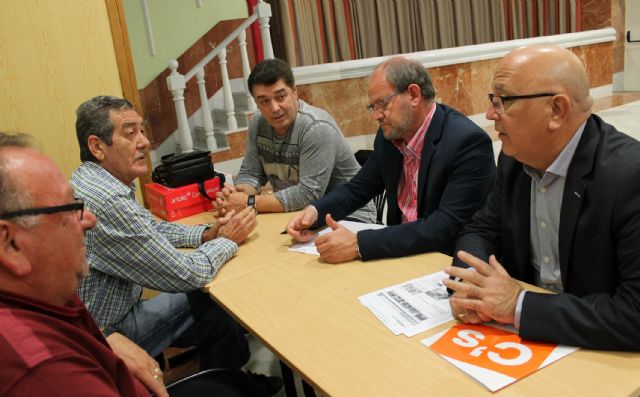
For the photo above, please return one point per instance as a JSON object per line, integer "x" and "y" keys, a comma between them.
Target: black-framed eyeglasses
{"x": 78, "y": 206}
{"x": 498, "y": 100}
{"x": 381, "y": 104}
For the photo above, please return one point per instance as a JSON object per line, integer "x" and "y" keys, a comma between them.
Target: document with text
{"x": 413, "y": 306}
{"x": 310, "y": 248}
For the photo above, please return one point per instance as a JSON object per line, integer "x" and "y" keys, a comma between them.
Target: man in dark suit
{"x": 564, "y": 213}
{"x": 434, "y": 163}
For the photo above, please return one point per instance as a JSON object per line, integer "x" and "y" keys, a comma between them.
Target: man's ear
{"x": 416, "y": 94}
{"x": 12, "y": 254}
{"x": 96, "y": 147}
{"x": 560, "y": 105}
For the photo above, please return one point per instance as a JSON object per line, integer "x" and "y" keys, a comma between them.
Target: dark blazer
{"x": 456, "y": 173}
{"x": 599, "y": 243}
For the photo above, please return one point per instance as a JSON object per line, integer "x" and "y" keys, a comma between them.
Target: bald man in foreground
{"x": 564, "y": 213}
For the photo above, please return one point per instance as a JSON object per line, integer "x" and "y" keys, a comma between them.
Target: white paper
{"x": 310, "y": 248}
{"x": 413, "y": 306}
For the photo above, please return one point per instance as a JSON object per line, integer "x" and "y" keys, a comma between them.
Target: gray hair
{"x": 402, "y": 72}
{"x": 94, "y": 118}
{"x": 12, "y": 198}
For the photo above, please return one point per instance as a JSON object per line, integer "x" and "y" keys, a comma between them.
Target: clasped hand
{"x": 487, "y": 292}
{"x": 231, "y": 198}
{"x": 234, "y": 226}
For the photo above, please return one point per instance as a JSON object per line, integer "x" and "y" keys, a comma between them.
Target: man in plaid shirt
{"x": 129, "y": 250}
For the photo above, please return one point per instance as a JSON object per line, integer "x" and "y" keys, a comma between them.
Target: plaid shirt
{"x": 128, "y": 249}
{"x": 412, "y": 156}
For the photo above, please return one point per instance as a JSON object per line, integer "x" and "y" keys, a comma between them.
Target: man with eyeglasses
{"x": 128, "y": 249}
{"x": 49, "y": 344}
{"x": 298, "y": 148}
{"x": 564, "y": 213}
{"x": 435, "y": 164}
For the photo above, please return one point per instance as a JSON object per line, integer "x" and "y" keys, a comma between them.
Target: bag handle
{"x": 203, "y": 190}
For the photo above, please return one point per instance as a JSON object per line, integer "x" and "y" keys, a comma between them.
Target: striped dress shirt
{"x": 412, "y": 155}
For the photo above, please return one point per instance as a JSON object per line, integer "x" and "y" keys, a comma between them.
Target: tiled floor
{"x": 622, "y": 110}
{"x": 617, "y": 99}
{"x": 625, "y": 118}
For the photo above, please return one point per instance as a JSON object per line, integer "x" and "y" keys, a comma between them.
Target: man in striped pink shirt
{"x": 435, "y": 165}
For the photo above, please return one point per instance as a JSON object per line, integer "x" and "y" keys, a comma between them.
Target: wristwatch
{"x": 251, "y": 202}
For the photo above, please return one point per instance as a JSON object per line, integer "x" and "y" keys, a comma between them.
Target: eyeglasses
{"x": 78, "y": 206}
{"x": 381, "y": 104}
{"x": 497, "y": 101}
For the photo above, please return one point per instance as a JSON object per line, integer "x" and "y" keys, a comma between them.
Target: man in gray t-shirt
{"x": 296, "y": 147}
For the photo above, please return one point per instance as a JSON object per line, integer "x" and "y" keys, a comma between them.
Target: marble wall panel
{"x": 237, "y": 142}
{"x": 453, "y": 85}
{"x": 595, "y": 14}
{"x": 617, "y": 22}
{"x": 463, "y": 86}
{"x": 346, "y": 100}
{"x": 598, "y": 60}
{"x": 481, "y": 77}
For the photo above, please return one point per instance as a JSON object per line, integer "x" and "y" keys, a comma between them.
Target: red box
{"x": 175, "y": 203}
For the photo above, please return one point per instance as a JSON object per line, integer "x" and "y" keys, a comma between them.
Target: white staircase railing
{"x": 177, "y": 82}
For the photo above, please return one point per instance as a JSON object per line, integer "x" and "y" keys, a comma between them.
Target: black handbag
{"x": 185, "y": 169}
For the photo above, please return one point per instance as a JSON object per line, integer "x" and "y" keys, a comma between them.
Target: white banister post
{"x": 263, "y": 11}
{"x": 176, "y": 84}
{"x": 232, "y": 124}
{"x": 246, "y": 70}
{"x": 207, "y": 121}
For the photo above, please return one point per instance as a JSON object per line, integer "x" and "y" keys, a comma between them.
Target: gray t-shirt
{"x": 310, "y": 161}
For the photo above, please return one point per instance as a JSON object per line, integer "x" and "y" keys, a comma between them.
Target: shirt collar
{"x": 417, "y": 141}
{"x": 114, "y": 182}
{"x": 70, "y": 311}
{"x": 560, "y": 165}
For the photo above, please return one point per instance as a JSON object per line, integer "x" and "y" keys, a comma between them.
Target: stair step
{"x": 240, "y": 99}
{"x": 220, "y": 119}
{"x": 200, "y": 138}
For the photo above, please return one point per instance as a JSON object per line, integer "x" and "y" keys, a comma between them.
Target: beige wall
{"x": 53, "y": 56}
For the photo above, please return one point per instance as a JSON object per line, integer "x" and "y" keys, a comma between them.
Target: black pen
{"x": 313, "y": 229}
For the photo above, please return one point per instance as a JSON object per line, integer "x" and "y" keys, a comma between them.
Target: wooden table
{"x": 308, "y": 313}
{"x": 264, "y": 247}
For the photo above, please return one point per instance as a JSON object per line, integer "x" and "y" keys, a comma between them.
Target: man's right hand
{"x": 298, "y": 227}
{"x": 237, "y": 227}
{"x": 487, "y": 291}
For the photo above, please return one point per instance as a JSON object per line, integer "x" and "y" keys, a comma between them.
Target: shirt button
{"x": 546, "y": 259}
{"x": 542, "y": 190}
{"x": 543, "y": 225}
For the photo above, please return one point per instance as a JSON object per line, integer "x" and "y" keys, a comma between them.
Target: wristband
{"x": 251, "y": 202}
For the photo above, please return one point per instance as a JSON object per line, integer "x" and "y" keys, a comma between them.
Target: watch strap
{"x": 251, "y": 202}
